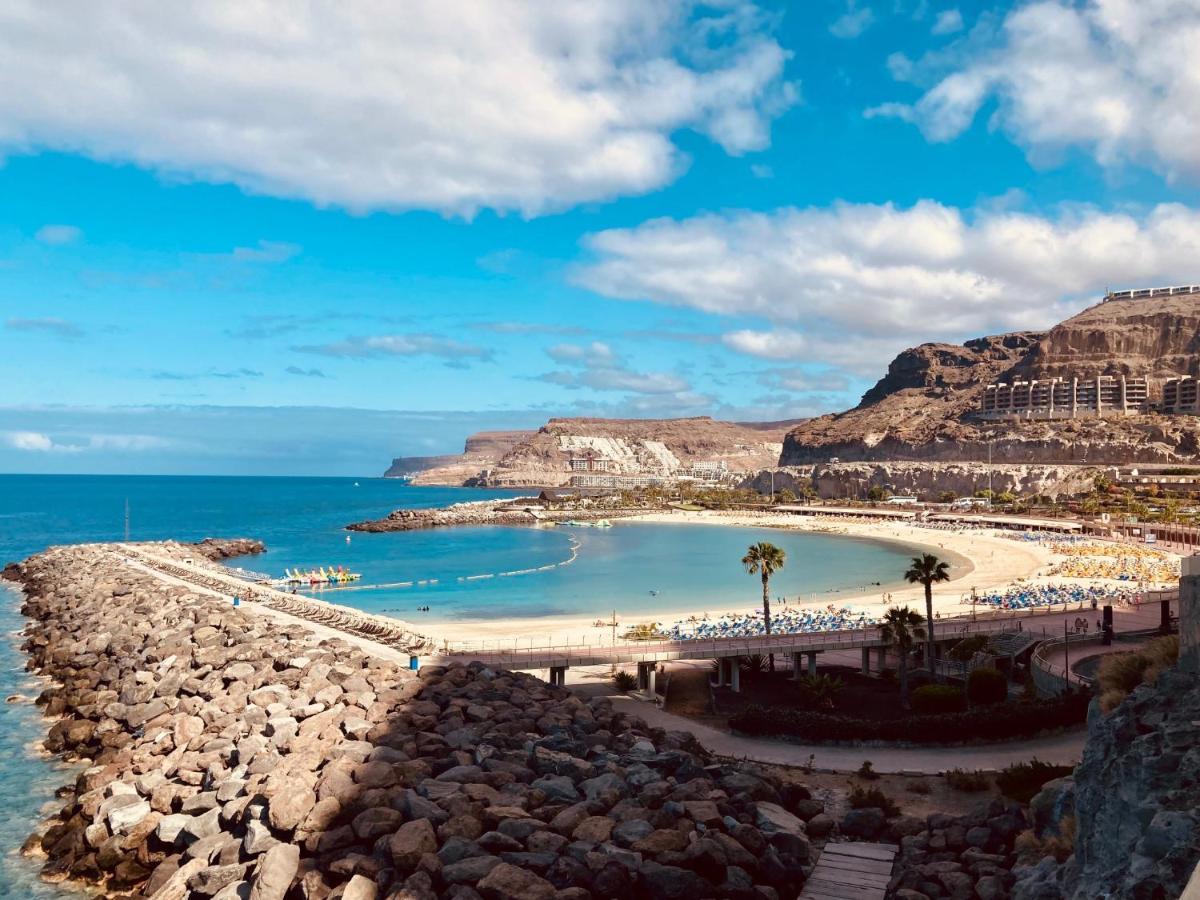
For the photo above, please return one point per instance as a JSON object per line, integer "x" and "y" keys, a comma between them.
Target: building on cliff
{"x": 1145, "y": 293}
{"x": 1181, "y": 395}
{"x": 1065, "y": 398}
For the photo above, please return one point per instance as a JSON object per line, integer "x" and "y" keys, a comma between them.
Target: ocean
{"x": 638, "y": 570}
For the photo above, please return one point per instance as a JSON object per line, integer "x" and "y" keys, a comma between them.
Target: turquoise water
{"x": 636, "y": 569}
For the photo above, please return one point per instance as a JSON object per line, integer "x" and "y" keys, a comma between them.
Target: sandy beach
{"x": 994, "y": 562}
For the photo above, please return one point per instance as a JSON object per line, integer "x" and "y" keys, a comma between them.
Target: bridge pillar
{"x": 558, "y": 675}
{"x": 720, "y": 671}
{"x": 796, "y": 666}
{"x": 881, "y": 657}
{"x": 866, "y": 660}
{"x": 643, "y": 675}
{"x": 735, "y": 675}
{"x": 1164, "y": 616}
{"x": 812, "y": 664}
{"x": 652, "y": 680}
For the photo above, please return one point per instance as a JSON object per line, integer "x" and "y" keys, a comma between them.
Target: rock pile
{"x": 227, "y": 548}
{"x": 232, "y": 757}
{"x": 962, "y": 857}
{"x": 480, "y": 512}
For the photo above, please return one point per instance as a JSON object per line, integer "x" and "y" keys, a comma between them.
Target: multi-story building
{"x": 1141, "y": 293}
{"x": 588, "y": 461}
{"x": 1066, "y": 398}
{"x": 1181, "y": 395}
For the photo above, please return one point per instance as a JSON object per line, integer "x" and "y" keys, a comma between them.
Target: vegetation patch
{"x": 987, "y": 686}
{"x": 967, "y": 781}
{"x": 1021, "y": 781}
{"x": 933, "y": 699}
{"x": 624, "y": 681}
{"x": 873, "y": 798}
{"x": 1120, "y": 673}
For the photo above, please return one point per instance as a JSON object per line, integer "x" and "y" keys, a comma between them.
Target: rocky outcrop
{"x": 525, "y": 511}
{"x": 1134, "y": 799}
{"x": 217, "y": 549}
{"x": 838, "y": 481}
{"x": 924, "y": 408}
{"x": 231, "y": 757}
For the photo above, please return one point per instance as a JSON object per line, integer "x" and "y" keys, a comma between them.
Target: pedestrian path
{"x": 1059, "y": 749}
{"x": 851, "y": 871}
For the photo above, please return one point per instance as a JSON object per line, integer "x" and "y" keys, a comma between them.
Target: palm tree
{"x": 902, "y": 626}
{"x": 765, "y": 559}
{"x": 927, "y": 569}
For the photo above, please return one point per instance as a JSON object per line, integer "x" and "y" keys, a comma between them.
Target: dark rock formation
{"x": 217, "y": 549}
{"x": 1135, "y": 800}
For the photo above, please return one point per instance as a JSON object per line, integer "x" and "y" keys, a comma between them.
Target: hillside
{"x": 624, "y": 447}
{"x": 924, "y": 408}
{"x": 481, "y": 450}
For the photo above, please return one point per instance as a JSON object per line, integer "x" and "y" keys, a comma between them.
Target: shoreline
{"x": 1008, "y": 561}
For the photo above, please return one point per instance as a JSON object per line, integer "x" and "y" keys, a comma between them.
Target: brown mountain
{"x": 482, "y": 449}
{"x": 924, "y": 407}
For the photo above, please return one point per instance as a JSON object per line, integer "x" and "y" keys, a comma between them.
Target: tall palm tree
{"x": 765, "y": 559}
{"x": 902, "y": 626}
{"x": 927, "y": 569}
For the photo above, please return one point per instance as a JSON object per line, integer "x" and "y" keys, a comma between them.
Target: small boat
{"x": 319, "y": 576}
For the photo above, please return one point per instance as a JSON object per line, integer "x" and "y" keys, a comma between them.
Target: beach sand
{"x": 996, "y": 562}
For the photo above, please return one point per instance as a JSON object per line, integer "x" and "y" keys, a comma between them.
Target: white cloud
{"x": 54, "y": 235}
{"x": 266, "y": 252}
{"x": 449, "y": 105}
{"x": 364, "y": 346}
{"x": 29, "y": 440}
{"x": 851, "y": 284}
{"x": 599, "y": 367}
{"x": 1120, "y": 78}
{"x": 852, "y": 24}
{"x": 948, "y": 21}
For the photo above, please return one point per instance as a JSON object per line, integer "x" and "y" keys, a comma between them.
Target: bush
{"x": 987, "y": 686}
{"x": 1021, "y": 781}
{"x": 819, "y": 691}
{"x": 968, "y": 782}
{"x": 938, "y": 698}
{"x": 624, "y": 681}
{"x": 918, "y": 787}
{"x": 873, "y": 798}
{"x": 867, "y": 772}
{"x": 965, "y": 650}
{"x": 993, "y": 723}
{"x": 1120, "y": 673}
{"x": 1031, "y": 849}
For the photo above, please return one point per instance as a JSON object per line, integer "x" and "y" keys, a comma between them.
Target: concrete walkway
{"x": 1062, "y": 749}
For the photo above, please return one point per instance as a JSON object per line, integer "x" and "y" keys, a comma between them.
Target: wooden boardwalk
{"x": 851, "y": 872}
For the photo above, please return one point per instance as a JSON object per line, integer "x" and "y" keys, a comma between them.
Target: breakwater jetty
{"x": 521, "y": 511}
{"x": 235, "y": 754}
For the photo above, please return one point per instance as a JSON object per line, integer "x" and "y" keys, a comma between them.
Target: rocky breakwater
{"x": 217, "y": 549}
{"x": 485, "y": 512}
{"x": 232, "y": 757}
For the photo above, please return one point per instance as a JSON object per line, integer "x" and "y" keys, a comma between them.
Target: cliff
{"x": 481, "y": 450}
{"x": 636, "y": 447}
{"x": 923, "y": 409}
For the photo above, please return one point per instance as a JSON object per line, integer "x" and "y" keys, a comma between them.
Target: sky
{"x": 303, "y": 238}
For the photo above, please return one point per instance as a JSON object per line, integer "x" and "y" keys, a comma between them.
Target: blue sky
{"x": 306, "y": 240}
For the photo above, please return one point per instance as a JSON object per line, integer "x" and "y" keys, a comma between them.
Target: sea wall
{"x": 234, "y": 755}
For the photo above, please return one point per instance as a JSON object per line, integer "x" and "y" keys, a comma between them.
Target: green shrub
{"x": 987, "y": 686}
{"x": 1021, "y": 781}
{"x": 966, "y": 649}
{"x": 867, "y": 772}
{"x": 819, "y": 691}
{"x": 938, "y": 698}
{"x": 917, "y": 787}
{"x": 1120, "y": 673}
{"x": 873, "y": 798}
{"x": 1001, "y": 722}
{"x": 625, "y": 681}
{"x": 966, "y": 781}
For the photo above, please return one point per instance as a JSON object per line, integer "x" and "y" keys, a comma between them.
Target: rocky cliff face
{"x": 636, "y": 446}
{"x": 1134, "y": 798}
{"x": 923, "y": 409}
